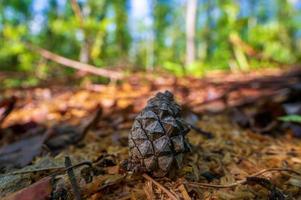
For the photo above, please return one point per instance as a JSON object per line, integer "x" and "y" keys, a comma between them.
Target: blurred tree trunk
{"x": 122, "y": 36}
{"x": 286, "y": 11}
{"x": 209, "y": 26}
{"x": 191, "y": 13}
{"x": 160, "y": 11}
{"x": 84, "y": 55}
{"x": 85, "y": 50}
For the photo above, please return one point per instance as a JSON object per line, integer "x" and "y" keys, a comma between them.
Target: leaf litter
{"x": 90, "y": 126}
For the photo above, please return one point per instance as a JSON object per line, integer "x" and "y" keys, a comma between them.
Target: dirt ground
{"x": 241, "y": 159}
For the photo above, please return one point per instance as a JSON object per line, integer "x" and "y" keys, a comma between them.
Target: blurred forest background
{"x": 180, "y": 37}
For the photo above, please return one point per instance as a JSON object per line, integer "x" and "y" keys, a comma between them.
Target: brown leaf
{"x": 22, "y": 152}
{"x": 62, "y": 135}
{"x": 40, "y": 190}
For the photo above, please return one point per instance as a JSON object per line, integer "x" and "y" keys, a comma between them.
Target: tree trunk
{"x": 84, "y": 55}
{"x": 191, "y": 13}
{"x": 122, "y": 35}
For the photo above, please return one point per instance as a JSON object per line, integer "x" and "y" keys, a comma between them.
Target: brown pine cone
{"x": 157, "y": 140}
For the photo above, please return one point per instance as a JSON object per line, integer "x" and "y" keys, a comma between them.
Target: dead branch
{"x": 275, "y": 85}
{"x": 76, "y": 64}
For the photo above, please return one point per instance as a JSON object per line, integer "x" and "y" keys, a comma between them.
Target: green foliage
{"x": 291, "y": 118}
{"x": 13, "y": 53}
{"x": 271, "y": 28}
{"x": 13, "y": 82}
{"x": 196, "y": 69}
{"x": 174, "y": 68}
{"x": 121, "y": 36}
{"x": 272, "y": 44}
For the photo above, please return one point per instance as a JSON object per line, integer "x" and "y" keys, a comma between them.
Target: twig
{"x": 243, "y": 181}
{"x": 170, "y": 195}
{"x": 184, "y": 192}
{"x": 76, "y": 64}
{"x": 57, "y": 169}
{"x": 148, "y": 189}
{"x": 72, "y": 178}
{"x": 197, "y": 129}
{"x": 276, "y": 169}
{"x": 201, "y": 131}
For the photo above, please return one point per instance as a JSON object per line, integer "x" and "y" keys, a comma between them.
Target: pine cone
{"x": 157, "y": 140}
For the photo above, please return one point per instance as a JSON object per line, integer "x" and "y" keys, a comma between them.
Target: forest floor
{"x": 245, "y": 153}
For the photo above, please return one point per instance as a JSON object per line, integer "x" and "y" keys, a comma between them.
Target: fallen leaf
{"x": 62, "y": 135}
{"x": 40, "y": 190}
{"x": 21, "y": 153}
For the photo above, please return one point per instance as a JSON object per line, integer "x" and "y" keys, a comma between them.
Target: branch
{"x": 76, "y": 64}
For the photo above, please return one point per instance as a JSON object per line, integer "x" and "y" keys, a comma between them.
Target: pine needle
{"x": 164, "y": 189}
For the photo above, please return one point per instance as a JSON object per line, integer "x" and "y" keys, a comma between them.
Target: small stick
{"x": 208, "y": 185}
{"x": 201, "y": 131}
{"x": 184, "y": 192}
{"x": 148, "y": 189}
{"x": 63, "y": 168}
{"x": 197, "y": 129}
{"x": 72, "y": 178}
{"x": 170, "y": 195}
{"x": 276, "y": 169}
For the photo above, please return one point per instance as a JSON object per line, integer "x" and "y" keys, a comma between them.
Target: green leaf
{"x": 291, "y": 118}
{"x": 174, "y": 68}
